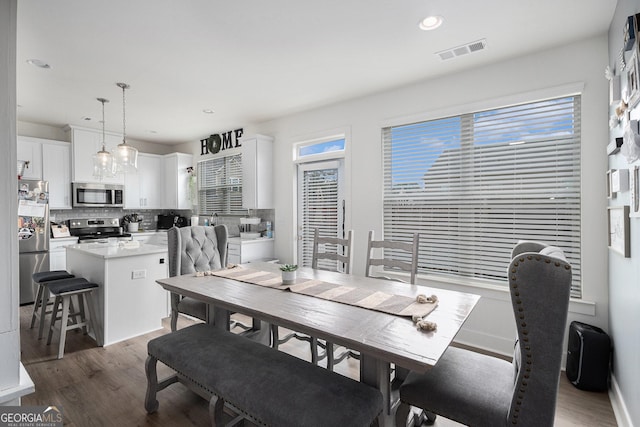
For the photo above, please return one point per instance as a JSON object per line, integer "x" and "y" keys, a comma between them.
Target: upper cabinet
{"x": 143, "y": 189}
{"x": 50, "y": 161}
{"x": 176, "y": 181}
{"x": 84, "y": 144}
{"x": 257, "y": 172}
{"x": 56, "y": 168}
{"x": 30, "y": 150}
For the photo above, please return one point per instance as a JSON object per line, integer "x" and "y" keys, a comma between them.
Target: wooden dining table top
{"x": 383, "y": 336}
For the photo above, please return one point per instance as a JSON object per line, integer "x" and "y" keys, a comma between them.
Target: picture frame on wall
{"x": 610, "y": 194}
{"x": 634, "y": 191}
{"x": 633, "y": 79}
{"x": 618, "y": 224}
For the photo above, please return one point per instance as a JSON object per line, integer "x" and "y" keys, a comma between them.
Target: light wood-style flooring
{"x": 106, "y": 386}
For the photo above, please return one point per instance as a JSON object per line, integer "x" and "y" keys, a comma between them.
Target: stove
{"x": 97, "y": 229}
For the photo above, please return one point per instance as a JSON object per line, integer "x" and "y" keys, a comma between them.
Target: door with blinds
{"x": 320, "y": 205}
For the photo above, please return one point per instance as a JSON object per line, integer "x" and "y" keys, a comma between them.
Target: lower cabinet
{"x": 242, "y": 251}
{"x": 58, "y": 252}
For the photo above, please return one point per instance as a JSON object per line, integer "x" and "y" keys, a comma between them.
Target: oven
{"x": 97, "y": 195}
{"x": 97, "y": 230}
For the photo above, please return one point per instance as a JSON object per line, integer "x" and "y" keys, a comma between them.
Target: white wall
{"x": 624, "y": 273}
{"x": 9, "y": 320}
{"x": 490, "y": 325}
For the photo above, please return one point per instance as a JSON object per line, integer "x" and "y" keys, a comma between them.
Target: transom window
{"x": 474, "y": 185}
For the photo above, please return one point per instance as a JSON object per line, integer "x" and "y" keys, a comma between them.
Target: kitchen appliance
{"x": 33, "y": 234}
{"x": 97, "y": 230}
{"x": 165, "y": 222}
{"x": 97, "y": 195}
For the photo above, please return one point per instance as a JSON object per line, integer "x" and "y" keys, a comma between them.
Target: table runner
{"x": 399, "y": 305}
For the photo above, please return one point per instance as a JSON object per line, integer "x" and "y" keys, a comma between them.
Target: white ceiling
{"x": 254, "y": 60}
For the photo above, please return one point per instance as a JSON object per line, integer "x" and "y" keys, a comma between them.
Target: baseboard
{"x": 617, "y": 403}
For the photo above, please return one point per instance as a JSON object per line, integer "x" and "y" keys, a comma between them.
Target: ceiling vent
{"x": 463, "y": 50}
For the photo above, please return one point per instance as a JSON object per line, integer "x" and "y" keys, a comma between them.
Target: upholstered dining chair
{"x": 410, "y": 248}
{"x": 481, "y": 390}
{"x": 192, "y": 249}
{"x": 332, "y": 254}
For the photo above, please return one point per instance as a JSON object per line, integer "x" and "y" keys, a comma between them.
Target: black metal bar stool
{"x": 64, "y": 290}
{"x": 42, "y": 296}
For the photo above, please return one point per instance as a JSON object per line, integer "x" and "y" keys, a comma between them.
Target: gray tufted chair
{"x": 192, "y": 249}
{"x": 480, "y": 390}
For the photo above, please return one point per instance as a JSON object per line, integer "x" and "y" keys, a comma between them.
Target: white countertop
{"x": 255, "y": 240}
{"x": 106, "y": 250}
{"x": 63, "y": 239}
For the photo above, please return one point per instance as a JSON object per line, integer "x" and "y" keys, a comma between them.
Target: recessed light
{"x": 38, "y": 63}
{"x": 153, "y": 131}
{"x": 208, "y": 111}
{"x": 431, "y": 22}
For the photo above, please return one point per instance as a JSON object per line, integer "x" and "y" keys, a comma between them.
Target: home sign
{"x": 221, "y": 141}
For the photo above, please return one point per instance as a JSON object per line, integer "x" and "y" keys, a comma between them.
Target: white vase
{"x": 288, "y": 277}
{"x": 133, "y": 226}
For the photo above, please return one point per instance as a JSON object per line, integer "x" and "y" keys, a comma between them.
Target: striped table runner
{"x": 398, "y": 305}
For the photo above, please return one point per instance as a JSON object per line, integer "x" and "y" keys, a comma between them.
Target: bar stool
{"x": 42, "y": 296}
{"x": 64, "y": 290}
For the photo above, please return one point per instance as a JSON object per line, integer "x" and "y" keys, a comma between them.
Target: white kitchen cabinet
{"x": 84, "y": 144}
{"x": 56, "y": 168}
{"x": 30, "y": 149}
{"x": 58, "y": 252}
{"x": 143, "y": 188}
{"x": 248, "y": 250}
{"x": 257, "y": 172}
{"x": 176, "y": 181}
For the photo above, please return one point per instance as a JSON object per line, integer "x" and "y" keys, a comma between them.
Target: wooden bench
{"x": 265, "y": 385}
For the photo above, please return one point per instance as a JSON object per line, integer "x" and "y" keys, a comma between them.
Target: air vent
{"x": 463, "y": 50}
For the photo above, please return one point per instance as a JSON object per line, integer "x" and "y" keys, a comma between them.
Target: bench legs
{"x": 153, "y": 386}
{"x": 216, "y": 409}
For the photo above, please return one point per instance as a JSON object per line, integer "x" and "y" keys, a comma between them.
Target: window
{"x": 220, "y": 186}
{"x": 328, "y": 148}
{"x": 473, "y": 185}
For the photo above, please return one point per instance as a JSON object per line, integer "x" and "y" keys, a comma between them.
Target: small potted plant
{"x": 288, "y": 273}
{"x": 132, "y": 222}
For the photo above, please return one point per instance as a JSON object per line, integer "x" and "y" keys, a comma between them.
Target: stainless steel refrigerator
{"x": 33, "y": 233}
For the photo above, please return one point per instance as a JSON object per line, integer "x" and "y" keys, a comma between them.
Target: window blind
{"x": 320, "y": 210}
{"x": 474, "y": 185}
{"x": 220, "y": 186}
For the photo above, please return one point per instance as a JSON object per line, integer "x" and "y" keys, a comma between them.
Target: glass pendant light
{"x": 126, "y": 155}
{"x": 103, "y": 162}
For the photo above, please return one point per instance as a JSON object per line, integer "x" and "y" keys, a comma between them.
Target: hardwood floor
{"x": 106, "y": 386}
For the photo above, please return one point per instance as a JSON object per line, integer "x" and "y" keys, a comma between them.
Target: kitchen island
{"x": 129, "y": 301}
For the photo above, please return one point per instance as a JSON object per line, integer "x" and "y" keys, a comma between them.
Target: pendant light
{"x": 103, "y": 162}
{"x": 126, "y": 155}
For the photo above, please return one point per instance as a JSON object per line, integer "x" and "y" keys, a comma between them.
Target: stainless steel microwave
{"x": 97, "y": 195}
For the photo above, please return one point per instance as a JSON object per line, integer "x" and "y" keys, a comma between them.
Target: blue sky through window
{"x": 321, "y": 147}
{"x": 416, "y": 147}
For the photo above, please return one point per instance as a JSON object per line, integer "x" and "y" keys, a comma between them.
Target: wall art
{"x": 618, "y": 221}
{"x": 634, "y": 191}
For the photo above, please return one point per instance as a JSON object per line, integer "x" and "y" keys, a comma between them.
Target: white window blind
{"x": 320, "y": 209}
{"x": 220, "y": 186}
{"x": 476, "y": 184}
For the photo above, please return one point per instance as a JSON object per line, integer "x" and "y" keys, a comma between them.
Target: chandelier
{"x": 126, "y": 156}
{"x": 103, "y": 162}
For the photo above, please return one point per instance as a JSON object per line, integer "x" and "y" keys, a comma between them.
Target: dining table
{"x": 384, "y": 341}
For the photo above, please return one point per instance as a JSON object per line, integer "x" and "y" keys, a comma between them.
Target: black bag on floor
{"x": 588, "y": 357}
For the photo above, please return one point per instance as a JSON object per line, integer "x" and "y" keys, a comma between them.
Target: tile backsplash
{"x": 149, "y": 217}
